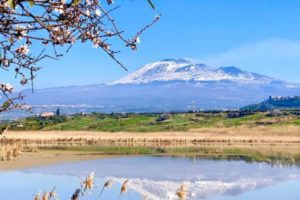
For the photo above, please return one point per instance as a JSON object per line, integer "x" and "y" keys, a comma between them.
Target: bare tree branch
{"x": 54, "y": 26}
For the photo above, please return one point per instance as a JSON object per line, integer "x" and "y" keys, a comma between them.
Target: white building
{"x": 47, "y": 114}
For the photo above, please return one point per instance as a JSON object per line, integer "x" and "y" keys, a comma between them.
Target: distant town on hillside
{"x": 275, "y": 102}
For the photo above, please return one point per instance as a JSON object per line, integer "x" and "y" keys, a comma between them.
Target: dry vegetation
{"x": 275, "y": 145}
{"x": 196, "y": 137}
{"x": 10, "y": 152}
{"x": 182, "y": 192}
{"x": 88, "y": 185}
{"x": 281, "y": 141}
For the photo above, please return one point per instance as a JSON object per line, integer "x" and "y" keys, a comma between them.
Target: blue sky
{"x": 262, "y": 36}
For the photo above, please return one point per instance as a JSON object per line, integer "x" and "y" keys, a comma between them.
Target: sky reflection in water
{"x": 158, "y": 178}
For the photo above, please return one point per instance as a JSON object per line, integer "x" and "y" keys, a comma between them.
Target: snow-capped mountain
{"x": 168, "y": 85}
{"x": 185, "y": 70}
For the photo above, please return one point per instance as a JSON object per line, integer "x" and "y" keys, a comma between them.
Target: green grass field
{"x": 151, "y": 122}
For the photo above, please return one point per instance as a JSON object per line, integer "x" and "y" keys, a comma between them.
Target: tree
{"x": 58, "y": 112}
{"x": 53, "y": 26}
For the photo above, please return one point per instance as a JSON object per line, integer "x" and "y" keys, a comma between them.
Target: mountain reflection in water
{"x": 158, "y": 178}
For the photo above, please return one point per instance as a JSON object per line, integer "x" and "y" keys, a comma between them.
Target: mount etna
{"x": 168, "y": 85}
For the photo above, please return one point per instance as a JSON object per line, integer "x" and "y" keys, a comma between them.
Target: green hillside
{"x": 155, "y": 122}
{"x": 273, "y": 103}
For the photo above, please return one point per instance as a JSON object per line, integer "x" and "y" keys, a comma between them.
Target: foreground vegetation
{"x": 155, "y": 122}
{"x": 249, "y": 155}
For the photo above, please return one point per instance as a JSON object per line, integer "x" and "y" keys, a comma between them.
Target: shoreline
{"x": 235, "y": 135}
{"x": 262, "y": 144}
{"x": 45, "y": 157}
{"x": 48, "y": 157}
{"x": 273, "y": 155}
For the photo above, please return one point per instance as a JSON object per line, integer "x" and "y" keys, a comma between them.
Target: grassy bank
{"x": 249, "y": 154}
{"x": 152, "y": 122}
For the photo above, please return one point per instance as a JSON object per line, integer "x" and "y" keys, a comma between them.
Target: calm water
{"x": 158, "y": 178}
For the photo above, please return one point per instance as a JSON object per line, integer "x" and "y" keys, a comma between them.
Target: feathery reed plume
{"x": 89, "y": 182}
{"x": 37, "y": 196}
{"x": 76, "y": 194}
{"x": 15, "y": 152}
{"x": 8, "y": 155}
{"x": 19, "y": 149}
{"x": 181, "y": 192}
{"x": 45, "y": 196}
{"x": 107, "y": 184}
{"x": 53, "y": 193}
{"x": 2, "y": 153}
{"x": 124, "y": 188}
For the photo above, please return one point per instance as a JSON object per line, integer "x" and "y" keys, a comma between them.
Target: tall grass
{"x": 88, "y": 186}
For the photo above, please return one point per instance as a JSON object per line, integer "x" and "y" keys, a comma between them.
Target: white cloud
{"x": 275, "y": 57}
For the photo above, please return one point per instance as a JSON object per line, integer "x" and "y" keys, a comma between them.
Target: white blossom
{"x": 96, "y": 43}
{"x": 137, "y": 40}
{"x": 9, "y": 87}
{"x": 98, "y": 12}
{"x": 157, "y": 16}
{"x": 106, "y": 47}
{"x": 23, "y": 81}
{"x": 6, "y": 87}
{"x": 5, "y": 4}
{"x": 109, "y": 33}
{"x": 23, "y": 49}
{"x": 59, "y": 9}
{"x": 21, "y": 31}
{"x": 5, "y": 62}
{"x": 87, "y": 12}
{"x": 56, "y": 29}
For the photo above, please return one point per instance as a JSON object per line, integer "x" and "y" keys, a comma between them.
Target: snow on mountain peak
{"x": 185, "y": 70}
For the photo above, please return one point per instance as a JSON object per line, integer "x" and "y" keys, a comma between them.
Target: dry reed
{"x": 89, "y": 182}
{"x": 45, "y": 196}
{"x": 76, "y": 194}
{"x": 181, "y": 192}
{"x": 124, "y": 188}
{"x": 106, "y": 185}
{"x": 9, "y": 152}
{"x": 37, "y": 196}
{"x": 53, "y": 194}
